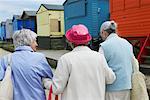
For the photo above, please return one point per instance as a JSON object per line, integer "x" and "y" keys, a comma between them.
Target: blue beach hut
{"x": 0, "y": 32}
{"x": 17, "y": 23}
{"x": 29, "y": 20}
{"x": 9, "y": 29}
{"x": 91, "y": 13}
{"x": 3, "y": 30}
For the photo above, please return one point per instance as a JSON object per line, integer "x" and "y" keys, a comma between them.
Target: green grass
{"x": 7, "y": 46}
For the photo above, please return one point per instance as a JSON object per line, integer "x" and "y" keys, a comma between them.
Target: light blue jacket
{"x": 118, "y": 53}
{"x": 28, "y": 68}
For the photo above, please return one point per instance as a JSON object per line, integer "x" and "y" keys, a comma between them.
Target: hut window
{"x": 10, "y": 23}
{"x": 70, "y": 1}
{"x": 59, "y": 26}
{"x": 145, "y": 2}
{"x": 75, "y": 7}
{"x": 55, "y": 25}
{"x": 131, "y": 4}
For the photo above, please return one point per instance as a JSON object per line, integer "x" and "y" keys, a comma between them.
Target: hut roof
{"x": 53, "y": 7}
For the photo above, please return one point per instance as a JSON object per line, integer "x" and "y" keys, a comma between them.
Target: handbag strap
{"x": 9, "y": 60}
{"x": 50, "y": 94}
{"x": 135, "y": 65}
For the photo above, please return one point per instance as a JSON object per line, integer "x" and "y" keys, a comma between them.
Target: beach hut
{"x": 29, "y": 20}
{"x": 17, "y": 23}
{"x": 50, "y": 26}
{"x": 9, "y": 29}
{"x": 91, "y": 13}
{"x": 3, "y": 31}
{"x": 0, "y": 32}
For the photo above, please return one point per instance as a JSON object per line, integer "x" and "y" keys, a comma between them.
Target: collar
{"x": 81, "y": 48}
{"x": 112, "y": 35}
{"x": 24, "y": 48}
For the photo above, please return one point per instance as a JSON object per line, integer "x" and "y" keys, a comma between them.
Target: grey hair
{"x": 24, "y": 37}
{"x": 109, "y": 25}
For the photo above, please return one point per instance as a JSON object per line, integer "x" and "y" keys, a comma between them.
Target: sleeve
{"x": 132, "y": 50}
{"x": 61, "y": 77}
{"x": 109, "y": 74}
{"x": 47, "y": 83}
{"x": 44, "y": 68}
{"x": 101, "y": 50}
{"x": 2, "y": 68}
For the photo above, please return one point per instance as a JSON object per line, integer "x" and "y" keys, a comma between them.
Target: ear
{"x": 106, "y": 34}
{"x": 102, "y": 32}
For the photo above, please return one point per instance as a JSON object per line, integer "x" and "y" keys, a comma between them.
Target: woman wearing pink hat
{"x": 82, "y": 73}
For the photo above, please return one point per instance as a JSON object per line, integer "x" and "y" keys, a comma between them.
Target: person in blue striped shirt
{"x": 28, "y": 67}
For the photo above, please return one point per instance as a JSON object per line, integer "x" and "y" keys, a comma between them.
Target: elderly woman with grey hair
{"x": 28, "y": 67}
{"x": 119, "y": 54}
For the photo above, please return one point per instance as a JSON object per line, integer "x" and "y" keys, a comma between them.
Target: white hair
{"x": 24, "y": 37}
{"x": 108, "y": 25}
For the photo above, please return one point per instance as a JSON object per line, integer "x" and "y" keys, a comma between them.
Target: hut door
{"x": 103, "y": 11}
{"x": 55, "y": 25}
{"x": 75, "y": 8}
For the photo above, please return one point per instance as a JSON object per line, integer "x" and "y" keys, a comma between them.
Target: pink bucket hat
{"x": 78, "y": 34}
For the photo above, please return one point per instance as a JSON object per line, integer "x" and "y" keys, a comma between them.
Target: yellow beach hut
{"x": 50, "y": 25}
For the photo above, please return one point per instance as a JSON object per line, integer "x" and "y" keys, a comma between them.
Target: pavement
{"x": 3, "y": 52}
{"x": 53, "y": 54}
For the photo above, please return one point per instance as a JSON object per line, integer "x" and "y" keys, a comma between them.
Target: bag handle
{"x": 50, "y": 94}
{"x": 135, "y": 65}
{"x": 9, "y": 60}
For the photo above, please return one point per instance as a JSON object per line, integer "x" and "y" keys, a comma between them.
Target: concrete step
{"x": 147, "y": 61}
{"x": 146, "y": 57}
{"x": 147, "y": 47}
{"x": 147, "y": 50}
{"x": 145, "y": 69}
{"x": 145, "y": 66}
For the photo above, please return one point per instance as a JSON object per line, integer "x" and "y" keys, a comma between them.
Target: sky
{"x": 8, "y": 8}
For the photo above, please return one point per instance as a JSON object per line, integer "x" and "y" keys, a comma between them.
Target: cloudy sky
{"x": 8, "y": 8}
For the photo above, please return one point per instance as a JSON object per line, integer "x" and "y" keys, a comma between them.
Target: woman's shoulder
{"x": 38, "y": 54}
{"x": 5, "y": 56}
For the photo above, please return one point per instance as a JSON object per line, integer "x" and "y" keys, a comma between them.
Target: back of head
{"x": 78, "y": 35}
{"x": 109, "y": 26}
{"x": 23, "y": 37}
